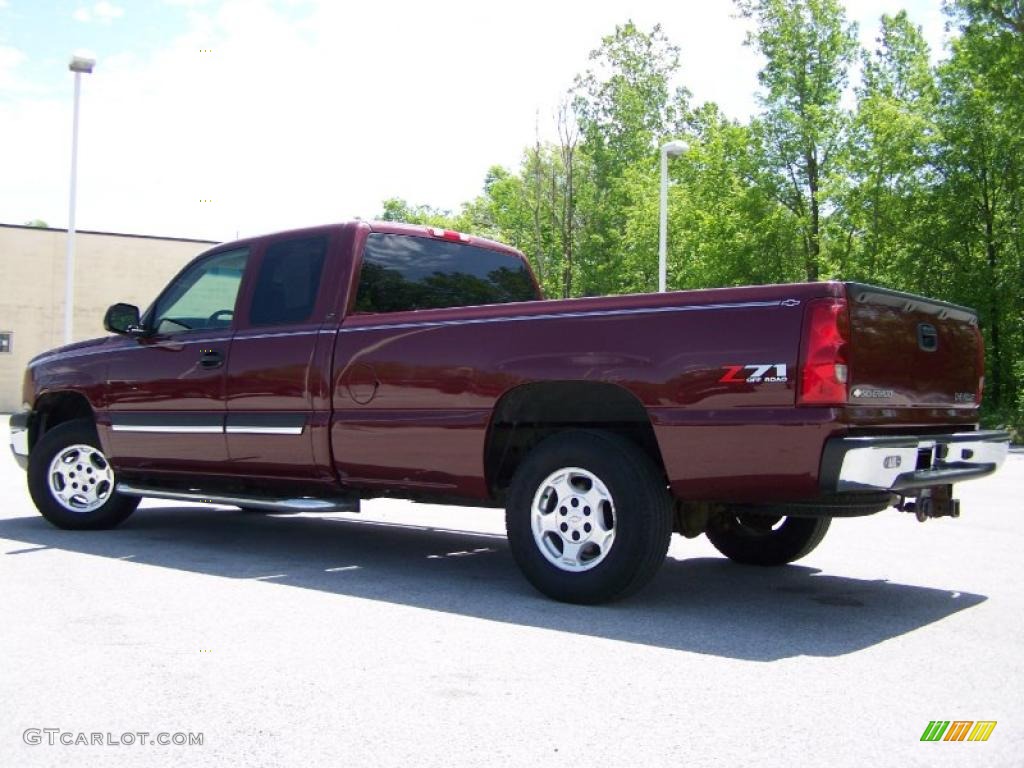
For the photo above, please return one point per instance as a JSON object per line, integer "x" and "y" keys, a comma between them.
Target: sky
{"x": 222, "y": 118}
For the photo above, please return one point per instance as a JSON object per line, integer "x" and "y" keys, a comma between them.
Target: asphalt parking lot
{"x": 405, "y": 636}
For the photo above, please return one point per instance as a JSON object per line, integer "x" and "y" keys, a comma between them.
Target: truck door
{"x": 412, "y": 409}
{"x": 278, "y": 386}
{"x": 165, "y": 394}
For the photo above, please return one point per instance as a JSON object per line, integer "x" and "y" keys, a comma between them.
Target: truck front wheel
{"x": 71, "y": 482}
{"x": 758, "y": 539}
{"x": 589, "y": 517}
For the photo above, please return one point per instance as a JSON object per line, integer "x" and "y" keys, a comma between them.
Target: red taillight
{"x": 449, "y": 234}
{"x": 979, "y": 351}
{"x": 824, "y": 365}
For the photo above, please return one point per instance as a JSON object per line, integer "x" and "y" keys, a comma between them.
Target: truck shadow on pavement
{"x": 702, "y": 605}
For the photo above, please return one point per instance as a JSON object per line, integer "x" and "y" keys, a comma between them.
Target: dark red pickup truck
{"x": 307, "y": 370}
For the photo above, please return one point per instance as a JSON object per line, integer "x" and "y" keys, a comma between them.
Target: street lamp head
{"x": 674, "y": 148}
{"x": 81, "y": 64}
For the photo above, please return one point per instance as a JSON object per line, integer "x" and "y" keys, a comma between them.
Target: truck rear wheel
{"x": 589, "y": 517}
{"x": 757, "y": 539}
{"x": 71, "y": 482}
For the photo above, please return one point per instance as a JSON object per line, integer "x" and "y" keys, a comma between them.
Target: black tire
{"x": 113, "y": 511}
{"x": 770, "y": 540}
{"x": 640, "y": 519}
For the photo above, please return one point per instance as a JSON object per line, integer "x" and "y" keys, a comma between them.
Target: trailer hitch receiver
{"x": 937, "y": 501}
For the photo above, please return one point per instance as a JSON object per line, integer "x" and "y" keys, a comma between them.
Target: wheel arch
{"x": 528, "y": 413}
{"x": 58, "y": 407}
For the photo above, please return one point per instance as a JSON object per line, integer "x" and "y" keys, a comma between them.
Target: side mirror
{"x": 123, "y": 319}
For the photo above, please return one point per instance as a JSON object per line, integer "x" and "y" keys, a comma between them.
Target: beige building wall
{"x": 108, "y": 268}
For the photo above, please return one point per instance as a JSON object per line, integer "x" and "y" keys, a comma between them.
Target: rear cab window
{"x": 405, "y": 272}
{"x": 288, "y": 282}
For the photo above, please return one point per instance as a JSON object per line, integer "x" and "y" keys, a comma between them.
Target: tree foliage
{"x": 808, "y": 47}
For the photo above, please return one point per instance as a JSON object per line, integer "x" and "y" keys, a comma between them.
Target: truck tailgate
{"x": 906, "y": 350}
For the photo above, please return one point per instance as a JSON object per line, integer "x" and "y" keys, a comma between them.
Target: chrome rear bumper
{"x": 907, "y": 462}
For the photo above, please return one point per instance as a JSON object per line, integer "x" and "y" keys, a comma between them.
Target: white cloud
{"x": 103, "y": 11}
{"x": 10, "y": 58}
{"x": 106, "y": 11}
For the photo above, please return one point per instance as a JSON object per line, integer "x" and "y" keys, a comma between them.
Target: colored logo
{"x": 756, "y": 373}
{"x": 958, "y": 730}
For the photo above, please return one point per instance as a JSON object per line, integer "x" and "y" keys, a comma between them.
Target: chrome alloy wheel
{"x": 573, "y": 519}
{"x": 80, "y": 479}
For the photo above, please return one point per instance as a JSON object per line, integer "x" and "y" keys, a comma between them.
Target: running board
{"x": 301, "y": 504}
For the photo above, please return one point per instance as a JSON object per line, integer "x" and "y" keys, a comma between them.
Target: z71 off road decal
{"x": 758, "y": 373}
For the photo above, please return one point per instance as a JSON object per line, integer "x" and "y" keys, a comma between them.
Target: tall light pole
{"x": 78, "y": 65}
{"x": 672, "y": 148}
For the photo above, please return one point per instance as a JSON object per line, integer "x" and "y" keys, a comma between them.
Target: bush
{"x": 1010, "y": 420}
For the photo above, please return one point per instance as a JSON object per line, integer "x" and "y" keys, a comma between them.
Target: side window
{"x": 202, "y": 297}
{"x": 401, "y": 272}
{"x": 288, "y": 282}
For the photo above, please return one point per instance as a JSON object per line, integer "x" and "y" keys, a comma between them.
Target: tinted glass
{"x": 286, "y": 288}
{"x": 202, "y": 297}
{"x": 401, "y": 272}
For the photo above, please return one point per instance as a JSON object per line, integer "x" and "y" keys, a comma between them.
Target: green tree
{"x": 1005, "y": 15}
{"x": 890, "y": 170}
{"x": 725, "y": 226}
{"x": 808, "y": 47}
{"x": 397, "y": 209}
{"x": 982, "y": 190}
{"x": 625, "y": 105}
